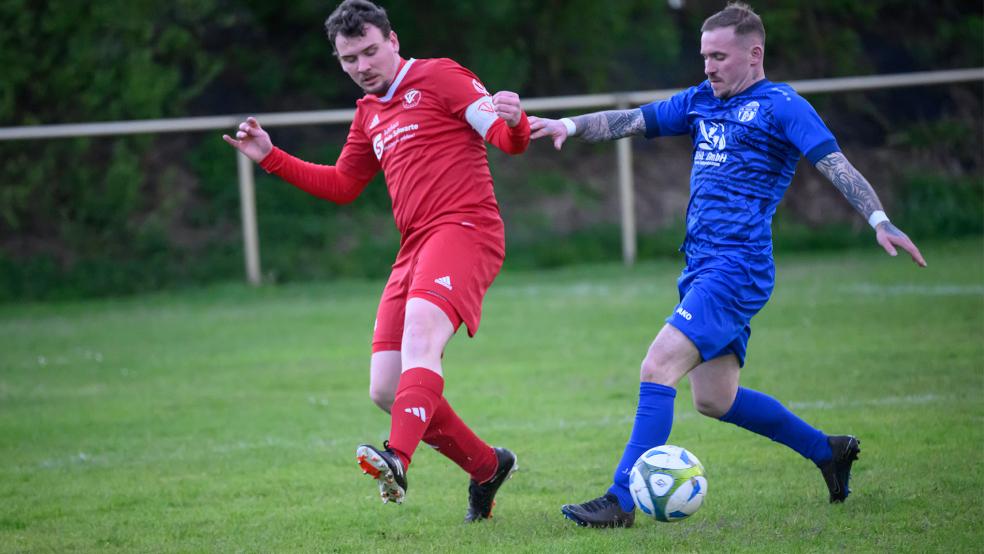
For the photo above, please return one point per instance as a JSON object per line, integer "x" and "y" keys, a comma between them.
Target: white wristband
{"x": 571, "y": 128}
{"x": 876, "y": 217}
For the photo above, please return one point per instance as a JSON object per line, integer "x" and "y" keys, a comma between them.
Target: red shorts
{"x": 451, "y": 266}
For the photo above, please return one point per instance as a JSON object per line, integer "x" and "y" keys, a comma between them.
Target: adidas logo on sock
{"x": 418, "y": 412}
{"x": 444, "y": 281}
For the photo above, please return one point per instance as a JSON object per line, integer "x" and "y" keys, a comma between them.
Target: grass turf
{"x": 225, "y": 419}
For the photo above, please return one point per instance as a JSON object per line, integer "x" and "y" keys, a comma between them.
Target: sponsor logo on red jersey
{"x": 377, "y": 145}
{"x": 392, "y": 135}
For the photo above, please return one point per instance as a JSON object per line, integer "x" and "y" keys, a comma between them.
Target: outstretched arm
{"x": 862, "y": 196}
{"x": 323, "y": 181}
{"x": 592, "y": 127}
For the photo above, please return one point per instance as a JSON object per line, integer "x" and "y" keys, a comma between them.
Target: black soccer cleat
{"x": 602, "y": 512}
{"x": 837, "y": 472}
{"x": 481, "y": 496}
{"x": 385, "y": 467}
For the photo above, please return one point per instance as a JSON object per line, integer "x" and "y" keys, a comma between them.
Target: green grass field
{"x": 226, "y": 419}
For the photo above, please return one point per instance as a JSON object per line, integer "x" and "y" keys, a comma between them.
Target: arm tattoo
{"x": 850, "y": 182}
{"x": 609, "y": 125}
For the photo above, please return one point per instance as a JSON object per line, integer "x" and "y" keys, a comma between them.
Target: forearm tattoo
{"x": 609, "y": 125}
{"x": 850, "y": 182}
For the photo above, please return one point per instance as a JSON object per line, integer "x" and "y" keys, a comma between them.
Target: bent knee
{"x": 711, "y": 407}
{"x": 382, "y": 398}
{"x": 652, "y": 371}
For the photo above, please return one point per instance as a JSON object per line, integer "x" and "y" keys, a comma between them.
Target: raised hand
{"x": 507, "y": 106}
{"x": 251, "y": 140}
{"x": 889, "y": 236}
{"x": 553, "y": 128}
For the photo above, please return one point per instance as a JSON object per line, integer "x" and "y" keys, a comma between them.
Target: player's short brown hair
{"x": 739, "y": 15}
{"x": 351, "y": 17}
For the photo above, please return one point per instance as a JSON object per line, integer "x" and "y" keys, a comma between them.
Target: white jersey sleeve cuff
{"x": 481, "y": 115}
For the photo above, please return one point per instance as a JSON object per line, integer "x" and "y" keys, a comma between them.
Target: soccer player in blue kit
{"x": 748, "y": 135}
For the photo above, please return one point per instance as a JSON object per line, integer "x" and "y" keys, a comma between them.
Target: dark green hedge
{"x": 101, "y": 216}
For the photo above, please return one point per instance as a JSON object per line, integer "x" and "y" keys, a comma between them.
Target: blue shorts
{"x": 718, "y": 297}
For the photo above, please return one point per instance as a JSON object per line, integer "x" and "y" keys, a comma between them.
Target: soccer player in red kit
{"x": 424, "y": 123}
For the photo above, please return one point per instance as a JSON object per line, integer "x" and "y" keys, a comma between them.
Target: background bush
{"x": 99, "y": 216}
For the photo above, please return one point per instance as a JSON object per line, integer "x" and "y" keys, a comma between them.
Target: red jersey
{"x": 427, "y": 134}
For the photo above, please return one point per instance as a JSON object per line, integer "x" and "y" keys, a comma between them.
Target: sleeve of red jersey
{"x": 341, "y": 183}
{"x": 468, "y": 99}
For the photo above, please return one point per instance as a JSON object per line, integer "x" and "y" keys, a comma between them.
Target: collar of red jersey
{"x": 397, "y": 81}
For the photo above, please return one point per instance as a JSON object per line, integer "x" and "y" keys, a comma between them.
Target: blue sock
{"x": 653, "y": 421}
{"x": 762, "y": 414}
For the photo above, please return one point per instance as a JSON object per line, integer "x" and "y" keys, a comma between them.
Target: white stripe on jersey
{"x": 481, "y": 115}
{"x": 396, "y": 82}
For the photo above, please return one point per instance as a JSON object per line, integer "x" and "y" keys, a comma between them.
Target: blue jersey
{"x": 745, "y": 152}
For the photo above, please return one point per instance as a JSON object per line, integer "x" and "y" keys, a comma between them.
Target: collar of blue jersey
{"x": 754, "y": 87}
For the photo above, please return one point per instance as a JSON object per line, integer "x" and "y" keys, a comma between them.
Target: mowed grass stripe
{"x": 318, "y": 444}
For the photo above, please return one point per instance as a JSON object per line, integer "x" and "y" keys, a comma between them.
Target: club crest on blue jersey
{"x": 748, "y": 112}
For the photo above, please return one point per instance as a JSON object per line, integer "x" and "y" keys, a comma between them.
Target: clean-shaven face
{"x": 730, "y": 62}
{"x": 370, "y": 60}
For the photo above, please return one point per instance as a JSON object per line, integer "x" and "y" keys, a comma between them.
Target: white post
{"x": 626, "y": 190}
{"x": 247, "y": 202}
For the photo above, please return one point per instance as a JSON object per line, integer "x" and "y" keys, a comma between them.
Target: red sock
{"x": 417, "y": 397}
{"x": 451, "y": 437}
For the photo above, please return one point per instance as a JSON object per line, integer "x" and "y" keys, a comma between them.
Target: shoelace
{"x": 597, "y": 504}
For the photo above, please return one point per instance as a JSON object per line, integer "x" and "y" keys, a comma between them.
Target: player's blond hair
{"x": 738, "y": 15}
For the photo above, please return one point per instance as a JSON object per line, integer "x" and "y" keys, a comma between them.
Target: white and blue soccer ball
{"x": 668, "y": 483}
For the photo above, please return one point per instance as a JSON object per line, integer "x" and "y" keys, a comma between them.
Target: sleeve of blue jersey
{"x": 805, "y": 129}
{"x": 667, "y": 117}
{"x": 821, "y": 150}
{"x": 651, "y": 119}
